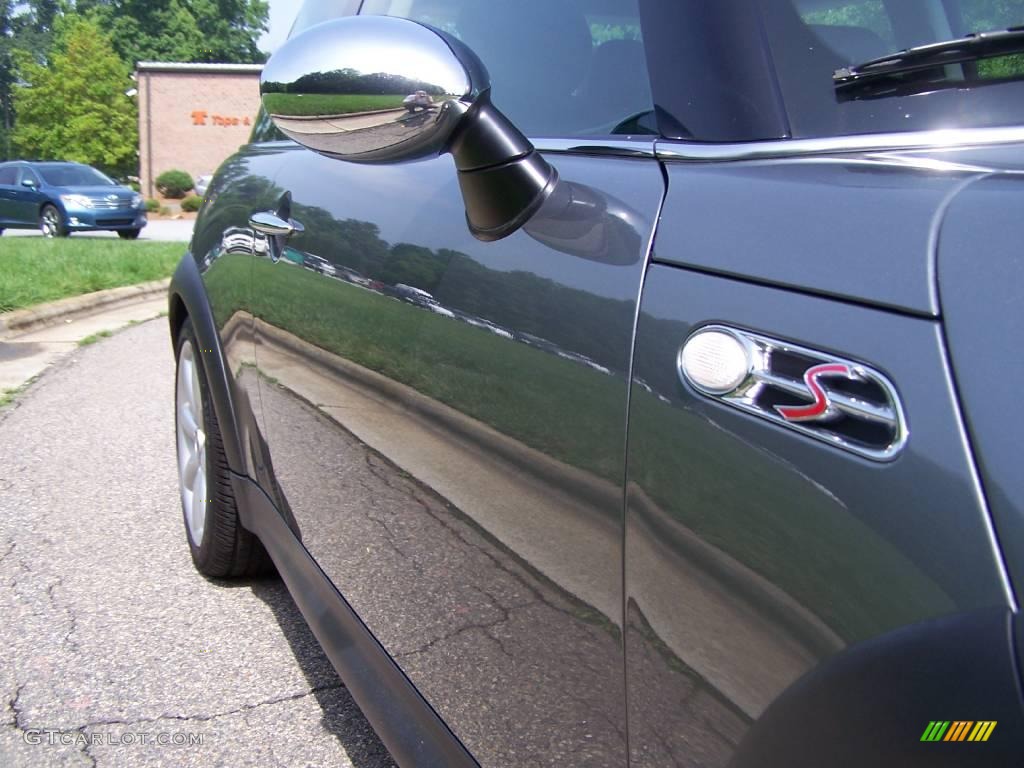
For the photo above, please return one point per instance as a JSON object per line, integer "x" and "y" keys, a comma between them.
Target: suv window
{"x": 811, "y": 39}
{"x": 8, "y": 175}
{"x": 558, "y": 67}
{"x": 28, "y": 173}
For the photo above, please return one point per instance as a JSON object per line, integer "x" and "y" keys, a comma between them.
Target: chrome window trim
{"x": 691, "y": 152}
{"x": 600, "y": 146}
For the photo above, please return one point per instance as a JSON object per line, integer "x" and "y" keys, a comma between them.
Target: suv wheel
{"x": 51, "y": 223}
{"x": 220, "y": 546}
{"x": 129, "y": 234}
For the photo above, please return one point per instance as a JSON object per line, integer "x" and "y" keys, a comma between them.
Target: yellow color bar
{"x": 983, "y": 730}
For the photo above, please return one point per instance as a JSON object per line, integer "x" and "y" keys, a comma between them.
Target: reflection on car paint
{"x": 448, "y": 386}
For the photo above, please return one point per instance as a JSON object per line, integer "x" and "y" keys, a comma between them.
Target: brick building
{"x": 193, "y": 116}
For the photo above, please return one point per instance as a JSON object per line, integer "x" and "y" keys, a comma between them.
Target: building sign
{"x": 201, "y": 117}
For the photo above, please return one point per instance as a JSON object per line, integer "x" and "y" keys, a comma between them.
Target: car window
{"x": 73, "y": 176}
{"x": 558, "y": 67}
{"x": 8, "y": 175}
{"x": 28, "y": 173}
{"x": 982, "y": 15}
{"x": 316, "y": 11}
{"x": 811, "y": 40}
{"x": 832, "y": 21}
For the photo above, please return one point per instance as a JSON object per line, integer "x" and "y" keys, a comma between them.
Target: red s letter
{"x": 819, "y": 407}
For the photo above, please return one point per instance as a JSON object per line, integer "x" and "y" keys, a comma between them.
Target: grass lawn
{"x": 36, "y": 270}
{"x": 326, "y": 104}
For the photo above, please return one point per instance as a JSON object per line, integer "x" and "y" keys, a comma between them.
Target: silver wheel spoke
{"x": 188, "y": 474}
{"x": 198, "y": 517}
{"x": 197, "y": 398}
{"x": 191, "y": 442}
{"x": 187, "y": 421}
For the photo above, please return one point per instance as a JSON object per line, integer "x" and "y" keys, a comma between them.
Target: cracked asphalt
{"x": 112, "y": 643}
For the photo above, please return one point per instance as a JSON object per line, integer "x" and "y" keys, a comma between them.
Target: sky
{"x": 282, "y": 14}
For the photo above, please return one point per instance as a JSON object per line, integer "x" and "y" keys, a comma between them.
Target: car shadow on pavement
{"x": 342, "y": 717}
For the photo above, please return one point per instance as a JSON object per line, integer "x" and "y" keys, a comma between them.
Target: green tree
{"x": 182, "y": 30}
{"x": 75, "y": 107}
{"x": 7, "y": 76}
{"x": 26, "y": 29}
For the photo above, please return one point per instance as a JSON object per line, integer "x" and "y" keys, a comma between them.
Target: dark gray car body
{"x": 522, "y": 539}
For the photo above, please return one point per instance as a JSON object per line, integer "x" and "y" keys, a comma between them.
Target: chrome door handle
{"x": 271, "y": 224}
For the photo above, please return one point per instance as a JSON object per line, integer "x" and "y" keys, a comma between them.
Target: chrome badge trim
{"x": 812, "y": 406}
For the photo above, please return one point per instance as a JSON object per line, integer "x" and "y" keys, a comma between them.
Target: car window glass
{"x": 558, "y": 67}
{"x": 811, "y": 39}
{"x": 834, "y": 20}
{"x": 73, "y": 176}
{"x": 8, "y": 175}
{"x": 314, "y": 12}
{"x": 28, "y": 173}
{"x": 984, "y": 15}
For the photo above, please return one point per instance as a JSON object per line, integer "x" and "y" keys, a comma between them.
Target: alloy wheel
{"x": 191, "y": 444}
{"x": 50, "y": 222}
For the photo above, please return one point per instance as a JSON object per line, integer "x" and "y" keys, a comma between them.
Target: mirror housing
{"x": 28, "y": 183}
{"x": 379, "y": 89}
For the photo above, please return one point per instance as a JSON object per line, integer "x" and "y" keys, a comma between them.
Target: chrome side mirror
{"x": 378, "y": 89}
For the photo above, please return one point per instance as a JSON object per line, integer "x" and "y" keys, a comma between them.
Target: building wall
{"x": 192, "y": 121}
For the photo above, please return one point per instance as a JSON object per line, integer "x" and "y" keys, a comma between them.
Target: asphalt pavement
{"x": 116, "y": 652}
{"x": 168, "y": 230}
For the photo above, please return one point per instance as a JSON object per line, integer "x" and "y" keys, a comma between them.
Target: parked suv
{"x": 738, "y": 482}
{"x": 61, "y": 198}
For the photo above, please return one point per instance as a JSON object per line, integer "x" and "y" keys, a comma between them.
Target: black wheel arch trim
{"x": 870, "y": 704}
{"x": 412, "y": 731}
{"x": 187, "y": 298}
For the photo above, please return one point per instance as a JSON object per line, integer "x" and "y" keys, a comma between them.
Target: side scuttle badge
{"x": 841, "y": 402}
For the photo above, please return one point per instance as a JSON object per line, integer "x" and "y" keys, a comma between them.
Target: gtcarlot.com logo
{"x": 958, "y": 730}
{"x": 53, "y": 737}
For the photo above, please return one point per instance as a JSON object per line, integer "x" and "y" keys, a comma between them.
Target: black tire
{"x": 129, "y": 234}
{"x": 227, "y": 550}
{"x": 51, "y": 222}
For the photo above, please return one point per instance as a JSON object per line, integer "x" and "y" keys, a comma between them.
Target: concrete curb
{"x": 21, "y": 321}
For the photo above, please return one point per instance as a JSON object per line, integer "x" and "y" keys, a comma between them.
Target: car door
{"x": 446, "y": 416}
{"x": 8, "y": 187}
{"x": 27, "y": 199}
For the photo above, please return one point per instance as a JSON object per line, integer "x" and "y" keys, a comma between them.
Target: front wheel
{"x": 51, "y": 223}
{"x": 220, "y": 546}
{"x": 129, "y": 234}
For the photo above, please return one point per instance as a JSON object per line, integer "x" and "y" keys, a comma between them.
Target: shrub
{"x": 152, "y": 205}
{"x": 165, "y": 211}
{"x": 192, "y": 203}
{"x": 174, "y": 184}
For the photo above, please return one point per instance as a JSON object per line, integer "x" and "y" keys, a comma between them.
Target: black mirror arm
{"x": 504, "y": 180}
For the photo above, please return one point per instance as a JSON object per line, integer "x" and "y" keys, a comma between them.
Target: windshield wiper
{"x": 984, "y": 45}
